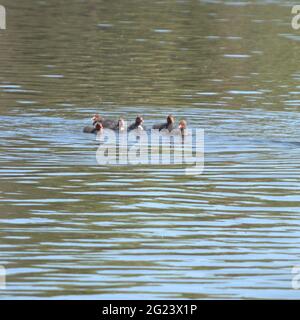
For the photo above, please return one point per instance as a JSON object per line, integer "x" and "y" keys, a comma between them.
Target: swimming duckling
{"x": 97, "y": 128}
{"x": 138, "y": 124}
{"x": 169, "y": 125}
{"x": 182, "y": 127}
{"x": 121, "y": 125}
{"x": 107, "y": 123}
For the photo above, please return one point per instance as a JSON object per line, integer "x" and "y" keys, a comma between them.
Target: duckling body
{"x": 119, "y": 125}
{"x": 137, "y": 125}
{"x": 89, "y": 129}
{"x": 107, "y": 123}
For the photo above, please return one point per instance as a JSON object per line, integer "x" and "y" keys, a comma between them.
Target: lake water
{"x": 70, "y": 228}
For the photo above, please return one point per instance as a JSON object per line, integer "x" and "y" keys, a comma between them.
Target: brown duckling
{"x": 107, "y": 123}
{"x": 182, "y": 127}
{"x": 96, "y": 118}
{"x": 169, "y": 125}
{"x": 97, "y": 128}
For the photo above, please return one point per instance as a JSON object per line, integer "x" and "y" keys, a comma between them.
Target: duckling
{"x": 138, "y": 124}
{"x": 169, "y": 125}
{"x": 182, "y": 127}
{"x": 97, "y": 128}
{"x": 107, "y": 123}
{"x": 121, "y": 126}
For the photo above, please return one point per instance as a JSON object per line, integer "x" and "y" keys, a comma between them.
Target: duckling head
{"x": 139, "y": 123}
{"x": 182, "y": 124}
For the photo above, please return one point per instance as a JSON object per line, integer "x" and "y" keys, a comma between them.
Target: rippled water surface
{"x": 70, "y": 228}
